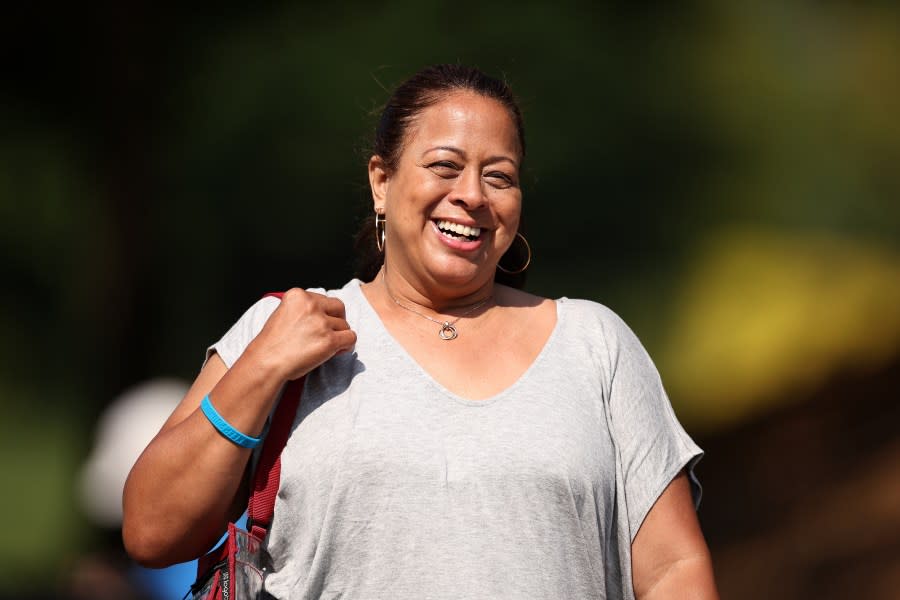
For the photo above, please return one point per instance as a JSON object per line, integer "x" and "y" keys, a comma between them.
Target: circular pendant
{"x": 448, "y": 331}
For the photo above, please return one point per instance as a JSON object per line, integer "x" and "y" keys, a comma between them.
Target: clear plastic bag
{"x": 233, "y": 571}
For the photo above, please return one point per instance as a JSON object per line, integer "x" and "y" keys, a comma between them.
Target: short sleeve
{"x": 653, "y": 446}
{"x": 235, "y": 341}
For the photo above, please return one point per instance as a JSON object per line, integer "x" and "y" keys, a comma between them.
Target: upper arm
{"x": 652, "y": 446}
{"x": 222, "y": 356}
{"x": 669, "y": 552}
{"x": 213, "y": 370}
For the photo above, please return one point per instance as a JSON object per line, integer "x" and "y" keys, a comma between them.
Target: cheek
{"x": 416, "y": 194}
{"x": 509, "y": 209}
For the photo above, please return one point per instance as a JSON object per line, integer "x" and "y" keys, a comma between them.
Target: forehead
{"x": 465, "y": 119}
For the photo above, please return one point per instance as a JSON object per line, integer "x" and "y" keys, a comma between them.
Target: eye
{"x": 444, "y": 168}
{"x": 499, "y": 179}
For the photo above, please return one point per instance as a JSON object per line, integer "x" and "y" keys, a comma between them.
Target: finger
{"x": 345, "y": 340}
{"x": 291, "y": 300}
{"x": 338, "y": 323}
{"x": 333, "y": 307}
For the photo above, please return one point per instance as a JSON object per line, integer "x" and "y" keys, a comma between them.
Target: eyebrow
{"x": 461, "y": 152}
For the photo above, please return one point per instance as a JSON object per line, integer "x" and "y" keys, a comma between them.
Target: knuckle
{"x": 334, "y": 303}
{"x": 293, "y": 295}
{"x": 346, "y": 337}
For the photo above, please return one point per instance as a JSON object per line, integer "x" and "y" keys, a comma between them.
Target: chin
{"x": 460, "y": 276}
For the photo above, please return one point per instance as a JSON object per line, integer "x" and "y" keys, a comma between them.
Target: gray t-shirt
{"x": 393, "y": 487}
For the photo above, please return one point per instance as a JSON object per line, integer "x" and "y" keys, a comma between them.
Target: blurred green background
{"x": 724, "y": 175}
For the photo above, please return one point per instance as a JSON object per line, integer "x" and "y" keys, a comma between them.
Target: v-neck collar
{"x": 374, "y": 320}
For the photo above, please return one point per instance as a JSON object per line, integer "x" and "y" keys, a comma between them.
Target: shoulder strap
{"x": 268, "y": 469}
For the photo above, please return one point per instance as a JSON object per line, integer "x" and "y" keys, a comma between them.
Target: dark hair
{"x": 424, "y": 89}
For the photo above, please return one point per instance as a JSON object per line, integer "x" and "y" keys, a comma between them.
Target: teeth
{"x": 459, "y": 229}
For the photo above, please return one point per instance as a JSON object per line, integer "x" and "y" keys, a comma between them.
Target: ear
{"x": 379, "y": 178}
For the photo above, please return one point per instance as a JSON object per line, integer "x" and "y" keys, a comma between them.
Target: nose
{"x": 468, "y": 192}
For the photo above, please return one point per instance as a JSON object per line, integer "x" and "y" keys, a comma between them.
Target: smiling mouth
{"x": 457, "y": 231}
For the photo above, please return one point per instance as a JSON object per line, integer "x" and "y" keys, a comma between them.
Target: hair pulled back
{"x": 428, "y": 87}
{"x": 424, "y": 89}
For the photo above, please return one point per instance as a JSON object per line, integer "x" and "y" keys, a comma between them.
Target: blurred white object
{"x": 123, "y": 431}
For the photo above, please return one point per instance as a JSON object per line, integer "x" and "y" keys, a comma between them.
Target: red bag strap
{"x": 261, "y": 506}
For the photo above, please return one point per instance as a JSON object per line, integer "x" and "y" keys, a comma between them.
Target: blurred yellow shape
{"x": 763, "y": 317}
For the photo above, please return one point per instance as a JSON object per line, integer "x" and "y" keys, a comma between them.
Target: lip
{"x": 457, "y": 244}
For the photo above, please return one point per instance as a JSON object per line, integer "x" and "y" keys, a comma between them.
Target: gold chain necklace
{"x": 448, "y": 330}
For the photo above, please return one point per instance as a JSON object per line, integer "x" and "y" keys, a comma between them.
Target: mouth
{"x": 457, "y": 231}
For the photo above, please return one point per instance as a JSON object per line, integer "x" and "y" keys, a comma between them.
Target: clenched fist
{"x": 304, "y": 331}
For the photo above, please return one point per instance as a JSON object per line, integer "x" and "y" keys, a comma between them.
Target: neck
{"x": 430, "y": 297}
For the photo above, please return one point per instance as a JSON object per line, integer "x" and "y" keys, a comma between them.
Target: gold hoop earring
{"x": 527, "y": 260}
{"x": 379, "y": 230}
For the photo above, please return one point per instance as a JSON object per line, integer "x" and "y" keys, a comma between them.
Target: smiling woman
{"x": 458, "y": 438}
{"x": 397, "y": 122}
{"x": 458, "y": 172}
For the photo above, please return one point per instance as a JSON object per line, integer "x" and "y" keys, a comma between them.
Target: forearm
{"x": 187, "y": 484}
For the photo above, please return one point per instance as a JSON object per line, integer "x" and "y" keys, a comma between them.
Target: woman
{"x": 457, "y": 438}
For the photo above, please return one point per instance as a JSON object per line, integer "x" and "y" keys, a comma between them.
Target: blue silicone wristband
{"x": 225, "y": 428}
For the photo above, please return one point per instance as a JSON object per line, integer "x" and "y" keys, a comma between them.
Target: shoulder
{"x": 349, "y": 293}
{"x": 608, "y": 339}
{"x": 262, "y": 309}
{"x": 248, "y": 326}
{"x": 595, "y": 318}
{"x": 259, "y": 312}
{"x": 231, "y": 345}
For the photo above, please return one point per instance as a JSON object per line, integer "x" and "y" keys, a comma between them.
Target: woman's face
{"x": 453, "y": 201}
